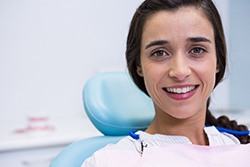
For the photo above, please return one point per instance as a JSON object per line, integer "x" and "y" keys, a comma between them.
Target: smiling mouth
{"x": 181, "y": 90}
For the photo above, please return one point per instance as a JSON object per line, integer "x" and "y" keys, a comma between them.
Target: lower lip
{"x": 183, "y": 96}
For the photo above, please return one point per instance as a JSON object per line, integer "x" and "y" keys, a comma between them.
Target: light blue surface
{"x": 115, "y": 106}
{"x": 118, "y": 105}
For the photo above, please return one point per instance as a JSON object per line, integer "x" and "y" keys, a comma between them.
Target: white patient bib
{"x": 177, "y": 155}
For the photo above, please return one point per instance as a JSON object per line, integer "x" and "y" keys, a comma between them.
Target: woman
{"x": 176, "y": 54}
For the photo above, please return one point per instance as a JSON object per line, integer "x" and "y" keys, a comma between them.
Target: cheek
{"x": 151, "y": 75}
{"x": 208, "y": 75}
{"x": 150, "y": 79}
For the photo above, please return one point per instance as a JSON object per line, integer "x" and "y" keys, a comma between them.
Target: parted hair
{"x": 148, "y": 8}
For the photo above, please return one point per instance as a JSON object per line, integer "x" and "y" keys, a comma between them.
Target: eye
{"x": 159, "y": 53}
{"x": 197, "y": 51}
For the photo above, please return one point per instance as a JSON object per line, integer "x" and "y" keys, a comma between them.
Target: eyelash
{"x": 161, "y": 52}
{"x": 201, "y": 51}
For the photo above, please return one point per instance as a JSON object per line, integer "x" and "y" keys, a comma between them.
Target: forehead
{"x": 184, "y": 21}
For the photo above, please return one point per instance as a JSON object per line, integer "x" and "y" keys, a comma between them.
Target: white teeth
{"x": 180, "y": 90}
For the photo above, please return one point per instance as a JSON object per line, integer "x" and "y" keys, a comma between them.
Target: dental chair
{"x": 115, "y": 106}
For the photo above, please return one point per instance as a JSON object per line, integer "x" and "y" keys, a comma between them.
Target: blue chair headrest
{"x": 115, "y": 105}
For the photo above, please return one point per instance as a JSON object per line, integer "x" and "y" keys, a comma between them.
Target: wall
{"x": 49, "y": 48}
{"x": 239, "y": 54}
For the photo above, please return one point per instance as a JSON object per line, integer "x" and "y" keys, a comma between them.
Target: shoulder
{"x": 218, "y": 138}
{"x": 126, "y": 143}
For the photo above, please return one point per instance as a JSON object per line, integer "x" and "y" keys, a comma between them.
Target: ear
{"x": 217, "y": 69}
{"x": 139, "y": 71}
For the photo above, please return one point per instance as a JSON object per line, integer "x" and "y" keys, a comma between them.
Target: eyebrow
{"x": 198, "y": 39}
{"x": 163, "y": 42}
{"x": 156, "y": 42}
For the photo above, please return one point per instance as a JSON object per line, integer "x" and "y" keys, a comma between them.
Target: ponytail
{"x": 224, "y": 122}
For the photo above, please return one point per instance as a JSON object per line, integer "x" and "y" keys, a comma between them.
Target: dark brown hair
{"x": 148, "y": 8}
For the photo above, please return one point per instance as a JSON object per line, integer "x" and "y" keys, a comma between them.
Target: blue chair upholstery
{"x": 115, "y": 106}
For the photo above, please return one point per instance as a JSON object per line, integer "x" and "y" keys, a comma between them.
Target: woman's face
{"x": 178, "y": 61}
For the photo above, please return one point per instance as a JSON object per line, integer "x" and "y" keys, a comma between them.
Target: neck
{"x": 192, "y": 128}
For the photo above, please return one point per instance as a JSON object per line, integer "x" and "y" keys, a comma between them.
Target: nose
{"x": 180, "y": 68}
